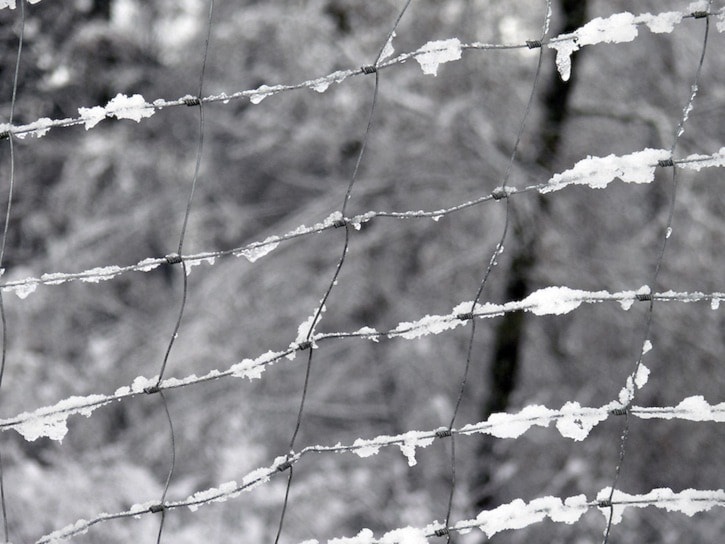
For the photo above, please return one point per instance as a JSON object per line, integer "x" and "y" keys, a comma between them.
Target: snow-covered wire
{"x": 646, "y": 344}
{"x": 492, "y": 261}
{"x": 51, "y": 421}
{"x": 572, "y": 421}
{"x": 617, "y": 28}
{"x": 341, "y": 261}
{"x": 593, "y": 172}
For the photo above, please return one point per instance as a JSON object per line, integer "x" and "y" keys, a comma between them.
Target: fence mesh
{"x": 439, "y": 272}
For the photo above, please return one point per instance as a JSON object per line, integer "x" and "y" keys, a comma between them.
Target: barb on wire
{"x": 658, "y": 266}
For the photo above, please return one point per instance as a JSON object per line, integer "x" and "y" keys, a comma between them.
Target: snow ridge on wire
{"x": 51, "y": 421}
{"x": 620, "y": 28}
{"x": 617, "y": 28}
{"x": 519, "y": 514}
{"x": 594, "y": 172}
{"x": 572, "y": 421}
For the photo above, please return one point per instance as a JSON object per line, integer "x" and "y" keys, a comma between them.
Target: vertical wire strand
{"x": 11, "y": 189}
{"x": 172, "y": 465}
{"x": 185, "y": 286}
{"x": 3, "y": 244}
{"x": 491, "y": 264}
{"x": 318, "y": 311}
{"x": 338, "y": 268}
{"x": 655, "y": 276}
{"x": 189, "y": 201}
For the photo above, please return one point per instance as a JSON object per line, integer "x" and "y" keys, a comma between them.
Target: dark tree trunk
{"x": 102, "y": 9}
{"x": 509, "y": 335}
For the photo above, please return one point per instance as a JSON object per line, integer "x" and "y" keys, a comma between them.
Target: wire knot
{"x": 151, "y": 389}
{"x": 339, "y": 223}
{"x": 619, "y": 411}
{"x": 465, "y": 317}
{"x": 156, "y": 508}
{"x": 284, "y": 466}
{"x": 173, "y": 258}
{"x": 192, "y": 100}
{"x": 499, "y": 193}
{"x": 302, "y": 346}
{"x": 4, "y": 135}
{"x": 443, "y": 433}
{"x": 369, "y": 69}
{"x": 441, "y": 532}
{"x": 664, "y": 163}
{"x": 699, "y": 14}
{"x": 643, "y": 297}
{"x": 533, "y": 44}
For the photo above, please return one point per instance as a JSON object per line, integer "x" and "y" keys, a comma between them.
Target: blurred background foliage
{"x": 116, "y": 194}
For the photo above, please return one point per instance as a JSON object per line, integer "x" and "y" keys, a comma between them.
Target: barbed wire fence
{"x": 343, "y": 231}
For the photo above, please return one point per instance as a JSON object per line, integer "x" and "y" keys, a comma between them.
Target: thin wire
{"x": 187, "y": 212}
{"x": 491, "y": 263}
{"x": 305, "y": 387}
{"x": 172, "y": 465}
{"x": 328, "y": 291}
{"x": 658, "y": 266}
{"x": 185, "y": 288}
{"x": 6, "y": 227}
{"x": 392, "y": 32}
{"x": 340, "y": 263}
{"x": 10, "y": 137}
{"x": 6, "y": 532}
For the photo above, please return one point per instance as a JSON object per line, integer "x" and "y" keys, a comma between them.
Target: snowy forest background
{"x": 116, "y": 194}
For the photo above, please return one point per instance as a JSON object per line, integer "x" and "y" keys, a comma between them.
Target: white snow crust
{"x": 263, "y": 91}
{"x": 259, "y": 250}
{"x": 11, "y": 3}
{"x": 698, "y": 162}
{"x": 598, "y": 172}
{"x": 438, "y": 52}
{"x": 388, "y": 50}
{"x": 121, "y": 106}
{"x": 102, "y": 273}
{"x": 688, "y": 502}
{"x": 52, "y": 421}
{"x": 37, "y": 129}
{"x": 617, "y": 28}
{"x": 694, "y": 408}
{"x": 720, "y": 20}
